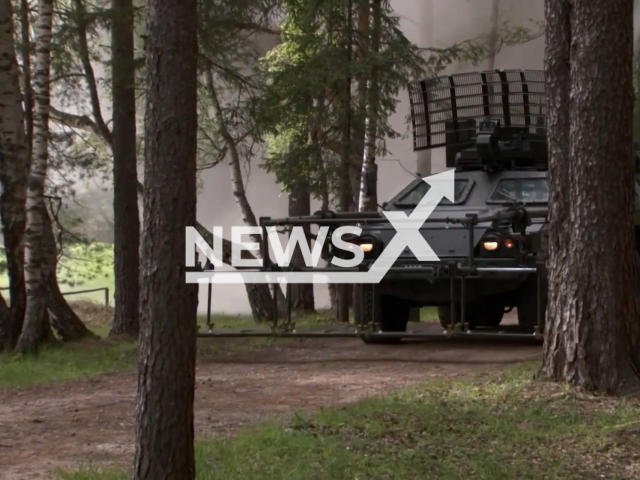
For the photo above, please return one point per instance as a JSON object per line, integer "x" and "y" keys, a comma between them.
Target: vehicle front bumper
{"x": 447, "y": 268}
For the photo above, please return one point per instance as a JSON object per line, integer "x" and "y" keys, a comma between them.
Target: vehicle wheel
{"x": 492, "y": 313}
{"x": 390, "y": 312}
{"x": 528, "y": 304}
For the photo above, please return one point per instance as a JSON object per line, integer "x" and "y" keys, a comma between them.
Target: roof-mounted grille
{"x": 446, "y": 110}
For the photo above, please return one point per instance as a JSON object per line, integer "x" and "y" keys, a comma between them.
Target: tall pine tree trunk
{"x": 168, "y": 306}
{"x": 14, "y": 165}
{"x": 341, "y": 295}
{"x": 34, "y": 321}
{"x": 300, "y": 205}
{"x": 592, "y": 335}
{"x": 126, "y": 229}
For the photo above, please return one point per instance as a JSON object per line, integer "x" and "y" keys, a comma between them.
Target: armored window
{"x": 528, "y": 190}
{"x": 413, "y": 196}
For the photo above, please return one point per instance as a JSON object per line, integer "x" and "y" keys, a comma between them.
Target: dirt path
{"x": 63, "y": 425}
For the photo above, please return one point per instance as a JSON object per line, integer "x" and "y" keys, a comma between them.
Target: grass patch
{"x": 85, "y": 359}
{"x": 66, "y": 362}
{"x": 73, "y": 361}
{"x": 491, "y": 427}
{"x": 429, "y": 314}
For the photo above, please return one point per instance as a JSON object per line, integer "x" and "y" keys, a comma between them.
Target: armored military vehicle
{"x": 491, "y": 239}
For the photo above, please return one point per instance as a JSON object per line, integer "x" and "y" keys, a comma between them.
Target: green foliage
{"x": 324, "y": 58}
{"x": 84, "y": 262}
{"x": 504, "y": 426}
{"x": 68, "y": 362}
{"x": 81, "y": 266}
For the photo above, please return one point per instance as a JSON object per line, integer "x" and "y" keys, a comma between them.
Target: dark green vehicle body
{"x": 504, "y": 278}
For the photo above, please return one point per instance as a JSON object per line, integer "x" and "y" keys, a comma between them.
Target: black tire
{"x": 528, "y": 304}
{"x": 493, "y": 312}
{"x": 391, "y": 313}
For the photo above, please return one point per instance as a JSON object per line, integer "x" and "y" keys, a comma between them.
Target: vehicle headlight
{"x": 366, "y": 247}
{"x": 367, "y": 243}
{"x": 490, "y": 245}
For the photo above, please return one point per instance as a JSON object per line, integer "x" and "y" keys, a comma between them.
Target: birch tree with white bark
{"x": 35, "y": 310}
{"x": 368, "y": 180}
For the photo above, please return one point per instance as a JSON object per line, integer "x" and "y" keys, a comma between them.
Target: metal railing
{"x": 78, "y": 292}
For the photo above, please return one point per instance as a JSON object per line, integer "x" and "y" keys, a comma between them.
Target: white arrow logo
{"x": 408, "y": 235}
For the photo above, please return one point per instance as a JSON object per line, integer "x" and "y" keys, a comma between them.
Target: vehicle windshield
{"x": 527, "y": 190}
{"x": 413, "y": 197}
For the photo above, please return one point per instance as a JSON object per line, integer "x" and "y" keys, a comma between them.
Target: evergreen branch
{"x": 82, "y": 122}
{"x": 254, "y": 27}
{"x": 90, "y": 78}
{"x": 67, "y": 76}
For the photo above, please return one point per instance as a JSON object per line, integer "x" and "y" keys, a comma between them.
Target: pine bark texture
{"x": 340, "y": 295}
{"x": 34, "y": 320}
{"x": 300, "y": 205}
{"x": 126, "y": 229}
{"x": 14, "y": 165}
{"x": 593, "y": 324}
{"x": 168, "y": 306}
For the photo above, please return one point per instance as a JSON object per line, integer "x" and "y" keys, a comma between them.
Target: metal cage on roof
{"x": 446, "y": 110}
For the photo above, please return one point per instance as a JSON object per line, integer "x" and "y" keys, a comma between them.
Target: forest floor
{"x": 70, "y": 423}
